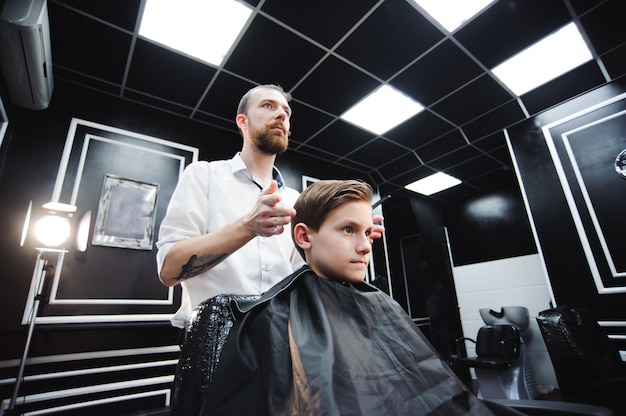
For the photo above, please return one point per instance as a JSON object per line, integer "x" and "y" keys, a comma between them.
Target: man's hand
{"x": 378, "y": 229}
{"x": 269, "y": 216}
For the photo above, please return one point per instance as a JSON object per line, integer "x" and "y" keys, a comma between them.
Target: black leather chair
{"x": 497, "y": 347}
{"x": 499, "y": 363}
{"x": 587, "y": 365}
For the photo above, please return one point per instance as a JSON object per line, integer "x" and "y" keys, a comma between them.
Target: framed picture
{"x": 126, "y": 214}
{"x": 308, "y": 180}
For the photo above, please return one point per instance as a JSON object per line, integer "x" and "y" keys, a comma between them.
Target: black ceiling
{"x": 331, "y": 53}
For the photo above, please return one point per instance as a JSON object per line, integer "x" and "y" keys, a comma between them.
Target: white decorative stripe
{"x": 93, "y": 370}
{"x": 612, "y": 323}
{"x": 164, "y": 392}
{"x": 80, "y": 319}
{"x": 99, "y": 388}
{"x": 48, "y": 359}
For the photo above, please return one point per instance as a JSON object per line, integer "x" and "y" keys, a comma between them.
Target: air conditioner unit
{"x": 25, "y": 53}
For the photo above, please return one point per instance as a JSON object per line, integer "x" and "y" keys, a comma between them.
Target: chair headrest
{"x": 498, "y": 341}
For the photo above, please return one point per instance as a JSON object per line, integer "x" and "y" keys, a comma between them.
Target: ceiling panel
{"x": 377, "y": 149}
{"x": 340, "y": 138}
{"x": 494, "y": 120}
{"x": 88, "y": 46}
{"x": 489, "y": 143}
{"x": 406, "y": 162}
{"x": 441, "y": 146}
{"x": 120, "y": 13}
{"x": 473, "y": 100}
{"x": 223, "y": 97}
{"x": 575, "y": 82}
{"x": 427, "y": 80}
{"x": 320, "y": 87}
{"x": 383, "y": 53}
{"x": 512, "y": 26}
{"x": 154, "y": 64}
{"x": 270, "y": 54}
{"x": 419, "y": 130}
{"x": 330, "y": 54}
{"x": 605, "y": 26}
{"x": 323, "y": 21}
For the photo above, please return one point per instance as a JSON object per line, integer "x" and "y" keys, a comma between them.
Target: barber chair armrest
{"x": 460, "y": 346}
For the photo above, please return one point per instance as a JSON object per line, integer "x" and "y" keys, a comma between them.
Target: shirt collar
{"x": 238, "y": 165}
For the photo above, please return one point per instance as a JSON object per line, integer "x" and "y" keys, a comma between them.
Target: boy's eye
{"x": 347, "y": 229}
{"x": 368, "y": 233}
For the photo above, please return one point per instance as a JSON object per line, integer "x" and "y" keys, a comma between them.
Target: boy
{"x": 332, "y": 227}
{"x": 323, "y": 341}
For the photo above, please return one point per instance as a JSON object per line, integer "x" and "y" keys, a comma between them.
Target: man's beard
{"x": 271, "y": 142}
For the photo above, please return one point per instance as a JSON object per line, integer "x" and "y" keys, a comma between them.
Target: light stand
{"x": 52, "y": 230}
{"x": 39, "y": 276}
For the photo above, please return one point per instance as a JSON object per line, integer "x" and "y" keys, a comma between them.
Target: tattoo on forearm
{"x": 191, "y": 269}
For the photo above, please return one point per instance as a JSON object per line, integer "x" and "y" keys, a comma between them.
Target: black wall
{"x": 489, "y": 227}
{"x": 30, "y": 157}
{"x": 595, "y": 136}
{"x": 31, "y": 154}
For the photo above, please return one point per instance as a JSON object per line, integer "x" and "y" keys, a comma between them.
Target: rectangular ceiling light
{"x": 432, "y": 184}
{"x": 204, "y": 29}
{"x": 543, "y": 61}
{"x": 453, "y": 13}
{"x": 382, "y": 110}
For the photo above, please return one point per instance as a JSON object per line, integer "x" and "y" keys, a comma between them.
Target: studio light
{"x": 52, "y": 231}
{"x": 52, "y": 228}
{"x": 55, "y": 228}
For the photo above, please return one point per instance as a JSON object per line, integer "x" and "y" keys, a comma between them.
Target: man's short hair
{"x": 244, "y": 102}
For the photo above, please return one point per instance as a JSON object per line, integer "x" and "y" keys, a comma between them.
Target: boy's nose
{"x": 364, "y": 245}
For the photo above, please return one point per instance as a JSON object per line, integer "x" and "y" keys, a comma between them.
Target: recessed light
{"x": 204, "y": 29}
{"x": 382, "y": 110}
{"x": 453, "y": 13}
{"x": 432, "y": 184}
{"x": 543, "y": 61}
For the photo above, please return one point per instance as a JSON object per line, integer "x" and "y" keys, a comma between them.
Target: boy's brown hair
{"x": 317, "y": 201}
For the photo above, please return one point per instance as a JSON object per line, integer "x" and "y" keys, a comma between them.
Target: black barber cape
{"x": 311, "y": 346}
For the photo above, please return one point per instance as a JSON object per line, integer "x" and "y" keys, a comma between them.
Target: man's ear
{"x": 301, "y": 236}
{"x": 242, "y": 121}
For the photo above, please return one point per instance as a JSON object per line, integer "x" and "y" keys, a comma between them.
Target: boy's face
{"x": 340, "y": 250}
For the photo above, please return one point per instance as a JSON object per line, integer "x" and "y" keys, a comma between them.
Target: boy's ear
{"x": 301, "y": 236}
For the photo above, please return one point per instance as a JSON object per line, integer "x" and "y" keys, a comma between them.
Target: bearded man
{"x": 224, "y": 220}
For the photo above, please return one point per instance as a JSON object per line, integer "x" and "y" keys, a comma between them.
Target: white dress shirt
{"x": 208, "y": 196}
